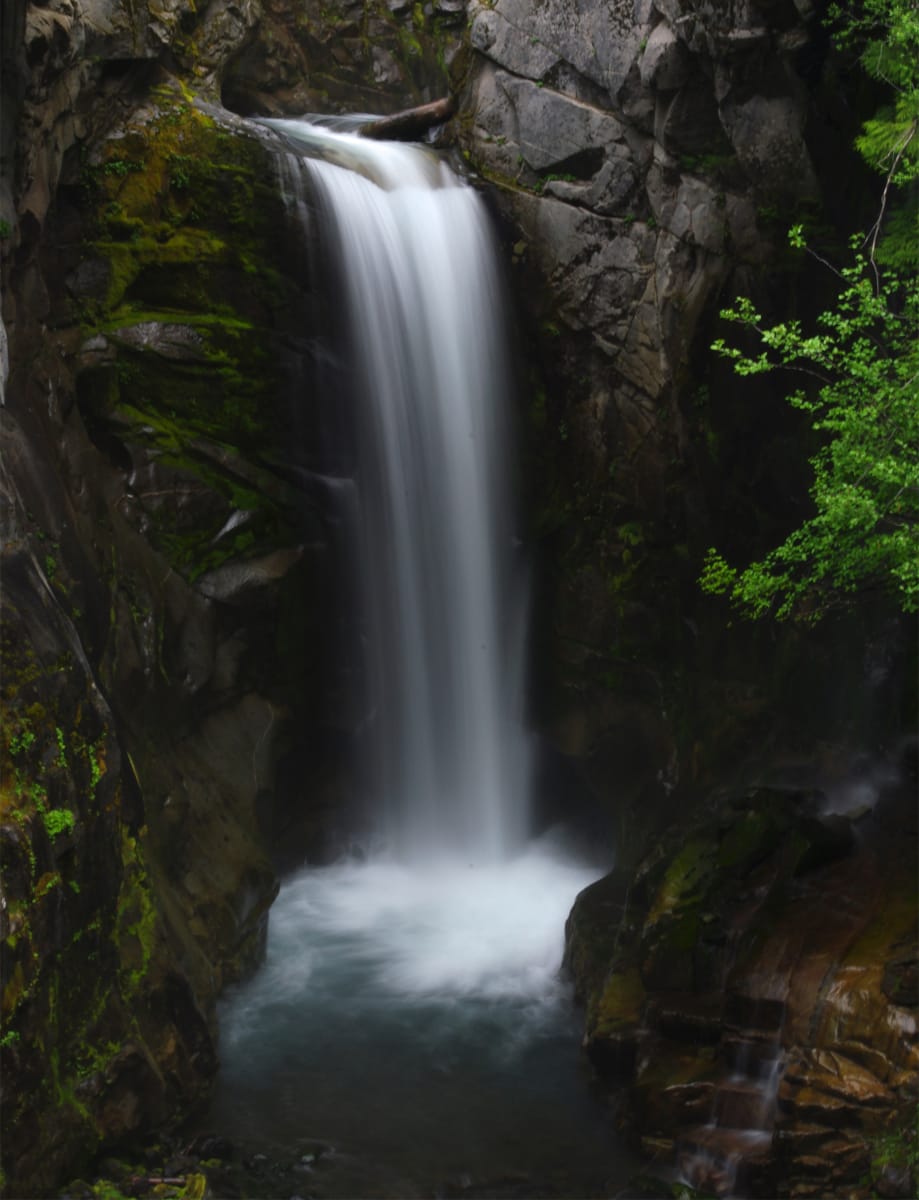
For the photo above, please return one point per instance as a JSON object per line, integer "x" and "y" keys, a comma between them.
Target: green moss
{"x": 73, "y": 968}
{"x": 57, "y": 821}
{"x": 751, "y": 837}
{"x": 18, "y": 742}
{"x": 104, "y": 1189}
{"x": 897, "y": 1148}
{"x": 190, "y": 237}
{"x": 65, "y": 1094}
{"x": 678, "y": 1068}
{"x": 194, "y": 546}
{"x": 136, "y": 925}
{"x": 895, "y": 923}
{"x": 61, "y": 747}
{"x": 24, "y": 796}
{"x": 48, "y": 881}
{"x": 14, "y": 990}
{"x": 684, "y": 880}
{"x": 679, "y": 936}
{"x": 619, "y": 1006}
{"x": 410, "y": 44}
{"x": 97, "y": 768}
{"x": 194, "y": 1188}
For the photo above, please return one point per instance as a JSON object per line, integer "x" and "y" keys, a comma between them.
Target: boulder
{"x": 736, "y": 984}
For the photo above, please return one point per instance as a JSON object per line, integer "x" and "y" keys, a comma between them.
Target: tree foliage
{"x": 859, "y": 369}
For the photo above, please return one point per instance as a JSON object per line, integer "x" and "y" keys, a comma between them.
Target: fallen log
{"x": 410, "y": 124}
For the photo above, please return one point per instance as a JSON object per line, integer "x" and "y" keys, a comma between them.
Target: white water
{"x": 423, "y": 933}
{"x": 410, "y": 1009}
{"x": 413, "y": 1019}
{"x": 443, "y": 601}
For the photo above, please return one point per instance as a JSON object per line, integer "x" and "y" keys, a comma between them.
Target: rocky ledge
{"x": 754, "y": 982}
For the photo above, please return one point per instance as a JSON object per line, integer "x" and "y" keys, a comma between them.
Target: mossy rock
{"x": 185, "y": 305}
{"x": 674, "y": 1087}
{"x": 750, "y": 838}
{"x": 671, "y": 928}
{"x": 686, "y": 878}
{"x": 620, "y": 1004}
{"x": 82, "y": 940}
{"x": 595, "y": 932}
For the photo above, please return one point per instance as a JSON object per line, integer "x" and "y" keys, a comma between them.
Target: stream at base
{"x": 409, "y": 1035}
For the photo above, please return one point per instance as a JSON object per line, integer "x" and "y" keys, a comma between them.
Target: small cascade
{"x": 728, "y": 1154}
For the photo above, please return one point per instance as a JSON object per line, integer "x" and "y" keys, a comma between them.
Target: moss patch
{"x": 185, "y": 227}
{"x": 619, "y": 1007}
{"x": 685, "y": 879}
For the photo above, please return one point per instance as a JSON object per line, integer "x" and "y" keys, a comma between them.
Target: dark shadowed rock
{"x": 755, "y": 994}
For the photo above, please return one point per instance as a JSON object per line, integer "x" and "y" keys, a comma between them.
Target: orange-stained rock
{"x": 772, "y": 1051}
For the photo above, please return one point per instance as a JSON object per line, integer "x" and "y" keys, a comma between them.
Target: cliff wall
{"x": 169, "y": 705}
{"x": 646, "y": 162}
{"x": 153, "y": 573}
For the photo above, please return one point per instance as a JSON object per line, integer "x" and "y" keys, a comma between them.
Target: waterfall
{"x": 442, "y": 599}
{"x": 410, "y": 1012}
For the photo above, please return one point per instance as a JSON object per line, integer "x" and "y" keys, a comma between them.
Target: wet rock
{"x": 782, "y": 1028}
{"x": 592, "y": 930}
{"x": 90, "y": 280}
{"x": 340, "y": 57}
{"x": 768, "y": 135}
{"x": 900, "y": 982}
{"x": 210, "y": 1145}
{"x": 634, "y": 240}
{"x": 894, "y": 1183}
{"x": 223, "y": 27}
{"x": 86, "y": 917}
{"x": 149, "y": 723}
{"x": 232, "y": 583}
{"x": 828, "y": 838}
{"x": 827, "y": 1089}
{"x": 553, "y": 88}
{"x": 178, "y": 342}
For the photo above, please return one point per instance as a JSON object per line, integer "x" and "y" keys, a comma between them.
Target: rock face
{"x": 635, "y": 148}
{"x": 750, "y": 985}
{"x": 106, "y": 1022}
{"x": 646, "y": 161}
{"x": 159, "y": 608}
{"x": 345, "y": 57}
{"x": 152, "y": 569}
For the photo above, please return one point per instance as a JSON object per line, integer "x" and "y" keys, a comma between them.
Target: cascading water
{"x": 442, "y": 615}
{"x": 409, "y": 1009}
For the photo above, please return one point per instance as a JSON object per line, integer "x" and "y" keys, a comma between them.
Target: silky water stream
{"x": 409, "y": 1033}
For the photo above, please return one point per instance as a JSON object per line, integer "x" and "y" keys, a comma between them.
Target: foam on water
{"x": 372, "y": 932}
{"x": 416, "y": 1021}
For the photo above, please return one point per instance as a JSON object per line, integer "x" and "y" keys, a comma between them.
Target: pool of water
{"x": 410, "y": 1025}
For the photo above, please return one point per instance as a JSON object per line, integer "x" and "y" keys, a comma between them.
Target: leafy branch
{"x": 860, "y": 367}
